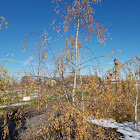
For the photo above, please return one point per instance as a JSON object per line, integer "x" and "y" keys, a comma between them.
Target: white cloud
{"x": 27, "y": 62}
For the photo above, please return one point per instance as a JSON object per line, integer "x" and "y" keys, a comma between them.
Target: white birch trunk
{"x": 81, "y": 84}
{"x": 75, "y": 72}
{"x": 136, "y": 106}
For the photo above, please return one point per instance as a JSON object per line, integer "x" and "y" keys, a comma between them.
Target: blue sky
{"x": 120, "y": 17}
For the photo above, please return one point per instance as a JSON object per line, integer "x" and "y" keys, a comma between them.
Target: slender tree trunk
{"x": 75, "y": 72}
{"x": 81, "y": 85}
{"x": 136, "y": 106}
{"x": 65, "y": 89}
{"x": 136, "y": 103}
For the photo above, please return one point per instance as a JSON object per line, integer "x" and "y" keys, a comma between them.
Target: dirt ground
{"x": 29, "y": 119}
{"x": 36, "y": 119}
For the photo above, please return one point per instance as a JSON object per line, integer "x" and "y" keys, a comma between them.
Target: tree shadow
{"x": 13, "y": 125}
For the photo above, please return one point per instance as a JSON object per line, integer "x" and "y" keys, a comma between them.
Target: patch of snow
{"x": 127, "y": 128}
{"x": 3, "y": 106}
{"x": 16, "y": 104}
{"x": 19, "y": 104}
{"x": 62, "y": 95}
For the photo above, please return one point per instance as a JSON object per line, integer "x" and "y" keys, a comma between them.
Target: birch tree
{"x": 131, "y": 87}
{"x": 134, "y": 98}
{"x": 79, "y": 16}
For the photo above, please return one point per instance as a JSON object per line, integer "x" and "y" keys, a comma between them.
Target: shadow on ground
{"x": 14, "y": 122}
